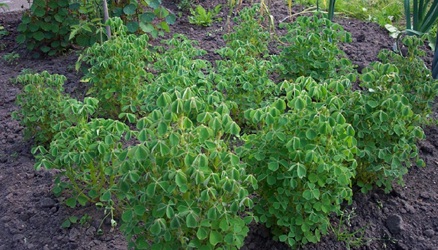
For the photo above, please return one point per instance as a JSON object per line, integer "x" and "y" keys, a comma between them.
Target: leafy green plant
{"x": 203, "y": 17}
{"x": 381, "y": 12}
{"x": 182, "y": 186}
{"x": 424, "y": 15}
{"x": 417, "y": 83}
{"x": 177, "y": 66}
{"x": 244, "y": 72}
{"x": 249, "y": 31}
{"x": 11, "y": 58}
{"x": 143, "y": 16}
{"x": 117, "y": 70}
{"x": 69, "y": 222}
{"x": 45, "y": 27}
{"x": 303, "y": 159}
{"x": 90, "y": 22}
{"x": 386, "y": 128}
{"x": 310, "y": 49}
{"x": 87, "y": 156}
{"x": 43, "y": 106}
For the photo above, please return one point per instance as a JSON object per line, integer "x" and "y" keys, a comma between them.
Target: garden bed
{"x": 31, "y": 216}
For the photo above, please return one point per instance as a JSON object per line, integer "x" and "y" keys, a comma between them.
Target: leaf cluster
{"x": 202, "y": 17}
{"x": 184, "y": 187}
{"x": 45, "y": 109}
{"x": 417, "y": 83}
{"x": 387, "y": 128}
{"x": 303, "y": 159}
{"x": 143, "y": 16}
{"x": 243, "y": 74}
{"x": 117, "y": 70}
{"x": 45, "y": 27}
{"x": 310, "y": 48}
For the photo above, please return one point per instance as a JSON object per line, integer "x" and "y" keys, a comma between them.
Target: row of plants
{"x": 185, "y": 153}
{"x": 50, "y": 27}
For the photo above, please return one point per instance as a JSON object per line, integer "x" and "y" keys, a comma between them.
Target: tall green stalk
{"x": 424, "y": 15}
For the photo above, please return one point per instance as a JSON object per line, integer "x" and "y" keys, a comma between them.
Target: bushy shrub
{"x": 177, "y": 66}
{"x": 311, "y": 49}
{"x": 45, "y": 109}
{"x": 181, "y": 185}
{"x": 243, "y": 74}
{"x": 45, "y": 27}
{"x": 386, "y": 127}
{"x": 117, "y": 70}
{"x": 89, "y": 157}
{"x": 416, "y": 79}
{"x": 303, "y": 159}
{"x": 52, "y": 26}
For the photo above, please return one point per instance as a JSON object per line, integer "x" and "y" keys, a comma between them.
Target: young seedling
{"x": 203, "y": 17}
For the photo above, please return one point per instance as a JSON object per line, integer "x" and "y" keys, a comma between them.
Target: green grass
{"x": 379, "y": 11}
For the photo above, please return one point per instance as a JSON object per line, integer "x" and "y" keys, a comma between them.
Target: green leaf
{"x": 134, "y": 176}
{"x": 234, "y": 129}
{"x": 191, "y": 221}
{"x": 180, "y": 179}
{"x": 153, "y": 3}
{"x": 71, "y": 202}
{"x": 203, "y": 134}
{"x": 301, "y": 170}
{"x": 39, "y": 36}
{"x": 299, "y": 103}
{"x": 127, "y": 216}
{"x": 130, "y": 9}
{"x": 155, "y": 228}
{"x": 139, "y": 210}
{"x": 146, "y": 27}
{"x": 215, "y": 238}
{"x": 132, "y": 26}
{"x": 202, "y": 233}
{"x": 66, "y": 224}
{"x": 162, "y": 128}
{"x": 273, "y": 165}
{"x": 311, "y": 134}
{"x": 141, "y": 153}
{"x": 150, "y": 189}
{"x": 147, "y": 17}
{"x": 106, "y": 196}
{"x": 143, "y": 135}
{"x": 170, "y": 19}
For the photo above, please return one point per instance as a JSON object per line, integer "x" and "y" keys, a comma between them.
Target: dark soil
{"x": 31, "y": 217}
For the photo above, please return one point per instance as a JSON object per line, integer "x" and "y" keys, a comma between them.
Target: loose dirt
{"x": 31, "y": 217}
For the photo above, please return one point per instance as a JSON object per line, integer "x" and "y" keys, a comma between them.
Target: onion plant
{"x": 331, "y": 9}
{"x": 424, "y": 15}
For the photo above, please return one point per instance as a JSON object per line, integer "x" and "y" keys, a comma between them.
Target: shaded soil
{"x": 31, "y": 217}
